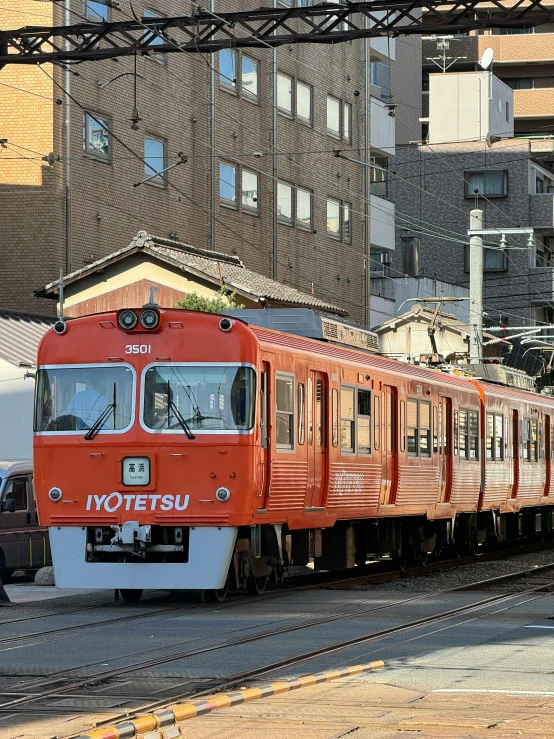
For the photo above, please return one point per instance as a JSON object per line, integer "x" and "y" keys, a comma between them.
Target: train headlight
{"x": 223, "y": 494}
{"x": 55, "y": 494}
{"x": 149, "y": 319}
{"x": 127, "y": 320}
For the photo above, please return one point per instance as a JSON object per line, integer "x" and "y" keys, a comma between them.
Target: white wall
{"x": 382, "y": 128}
{"x": 382, "y": 223}
{"x": 16, "y": 412}
{"x": 466, "y": 106}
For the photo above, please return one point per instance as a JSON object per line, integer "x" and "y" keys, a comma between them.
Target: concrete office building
{"x": 511, "y": 180}
{"x": 224, "y": 196}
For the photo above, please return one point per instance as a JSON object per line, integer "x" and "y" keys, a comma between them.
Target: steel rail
{"x": 245, "y": 639}
{"x": 204, "y": 32}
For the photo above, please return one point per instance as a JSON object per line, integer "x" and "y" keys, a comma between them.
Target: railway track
{"x": 31, "y": 694}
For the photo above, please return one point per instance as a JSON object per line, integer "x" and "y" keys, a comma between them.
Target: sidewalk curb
{"x": 147, "y": 726}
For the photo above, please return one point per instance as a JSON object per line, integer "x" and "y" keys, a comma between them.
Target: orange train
{"x": 184, "y": 450}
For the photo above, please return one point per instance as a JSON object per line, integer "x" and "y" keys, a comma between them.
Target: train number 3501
{"x": 138, "y": 349}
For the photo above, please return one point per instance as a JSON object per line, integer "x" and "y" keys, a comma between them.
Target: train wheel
{"x": 256, "y": 585}
{"x": 215, "y": 596}
{"x": 131, "y": 596}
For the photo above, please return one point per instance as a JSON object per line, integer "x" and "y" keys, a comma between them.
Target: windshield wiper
{"x": 102, "y": 418}
{"x": 172, "y": 407}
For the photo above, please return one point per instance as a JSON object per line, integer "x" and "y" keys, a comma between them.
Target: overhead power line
{"x": 327, "y": 23}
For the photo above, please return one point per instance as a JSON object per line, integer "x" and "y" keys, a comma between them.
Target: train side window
{"x": 284, "y": 400}
{"x": 347, "y": 431}
{"x": 376, "y": 423}
{"x": 534, "y": 450}
{"x": 319, "y": 413}
{"x": 526, "y": 439}
{"x": 263, "y": 396}
{"x": 363, "y": 422}
{"x": 335, "y": 416}
{"x": 310, "y": 412}
{"x": 464, "y": 433}
{"x": 301, "y": 412}
{"x": 424, "y": 428}
{"x": 413, "y": 438}
{"x": 495, "y": 437}
{"x": 473, "y": 435}
{"x": 436, "y": 430}
{"x": 456, "y": 432}
{"x": 402, "y": 425}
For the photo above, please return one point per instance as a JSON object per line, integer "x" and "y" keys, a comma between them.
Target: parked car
{"x": 23, "y": 542}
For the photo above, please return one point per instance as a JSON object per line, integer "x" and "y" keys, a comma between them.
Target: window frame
{"x": 468, "y": 194}
{"x": 158, "y": 178}
{"x": 104, "y": 121}
{"x": 250, "y": 209}
{"x": 494, "y": 416}
{"x": 347, "y": 118}
{"x": 469, "y": 437}
{"x": 244, "y": 93}
{"x": 161, "y": 55}
{"x": 350, "y": 450}
{"x": 337, "y": 235}
{"x": 300, "y": 224}
{"x": 285, "y": 220}
{"x": 226, "y": 202}
{"x": 418, "y": 429}
{"x": 227, "y": 84}
{"x": 90, "y": 16}
{"x": 367, "y": 451}
{"x": 280, "y": 110}
{"x": 346, "y": 234}
{"x": 301, "y": 405}
{"x": 331, "y": 132}
{"x": 335, "y": 417}
{"x": 292, "y": 420}
{"x": 306, "y": 121}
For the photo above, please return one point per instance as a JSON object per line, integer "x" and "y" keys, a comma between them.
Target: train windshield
{"x": 74, "y": 399}
{"x": 205, "y": 397}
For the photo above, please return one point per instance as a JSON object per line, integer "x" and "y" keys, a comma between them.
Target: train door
{"x": 389, "y": 450}
{"x": 265, "y": 434}
{"x": 445, "y": 447}
{"x": 515, "y": 452}
{"x": 547, "y": 452}
{"x": 317, "y": 438}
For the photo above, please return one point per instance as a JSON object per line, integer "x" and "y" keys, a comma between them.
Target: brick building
{"x": 260, "y": 179}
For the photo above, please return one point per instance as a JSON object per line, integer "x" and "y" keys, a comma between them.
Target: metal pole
{"x": 67, "y": 125}
{"x": 476, "y": 288}
{"x": 367, "y": 180}
{"x": 212, "y": 144}
{"x": 274, "y": 271}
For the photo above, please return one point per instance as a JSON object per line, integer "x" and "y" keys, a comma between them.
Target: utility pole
{"x": 475, "y": 287}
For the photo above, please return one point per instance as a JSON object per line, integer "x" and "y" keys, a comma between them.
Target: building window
{"x": 418, "y": 423}
{"x": 96, "y": 136}
{"x": 347, "y": 433}
{"x": 378, "y": 176}
{"x": 249, "y": 78}
{"x": 96, "y": 11}
{"x": 333, "y": 116}
{"x": 156, "y": 40}
{"x": 228, "y": 183}
{"x": 519, "y": 83}
{"x": 347, "y": 222}
{"x": 469, "y": 434}
{"x": 304, "y": 102}
{"x": 513, "y": 31}
{"x": 339, "y": 220}
{"x": 284, "y": 202}
{"x": 495, "y": 436}
{"x": 410, "y": 255}
{"x": 154, "y": 160}
{"x": 491, "y": 183}
{"x": 379, "y": 73}
{"x": 347, "y": 122}
{"x": 284, "y": 93}
{"x": 303, "y": 208}
{"x": 284, "y": 400}
{"x": 227, "y": 69}
{"x": 495, "y": 259}
{"x": 249, "y": 190}
{"x": 333, "y": 218}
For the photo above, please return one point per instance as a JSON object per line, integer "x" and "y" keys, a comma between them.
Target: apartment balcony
{"x": 541, "y": 210}
{"x": 382, "y": 223}
{"x": 533, "y": 47}
{"x": 382, "y": 129}
{"x": 382, "y": 48}
{"x": 535, "y": 103}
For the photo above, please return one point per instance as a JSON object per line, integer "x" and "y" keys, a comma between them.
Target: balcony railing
{"x": 382, "y": 128}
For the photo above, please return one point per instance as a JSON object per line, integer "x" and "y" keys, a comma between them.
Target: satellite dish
{"x": 486, "y": 59}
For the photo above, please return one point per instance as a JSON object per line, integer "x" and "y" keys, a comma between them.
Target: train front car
{"x": 145, "y": 436}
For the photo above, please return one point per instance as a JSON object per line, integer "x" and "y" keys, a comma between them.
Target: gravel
{"x": 465, "y": 574}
